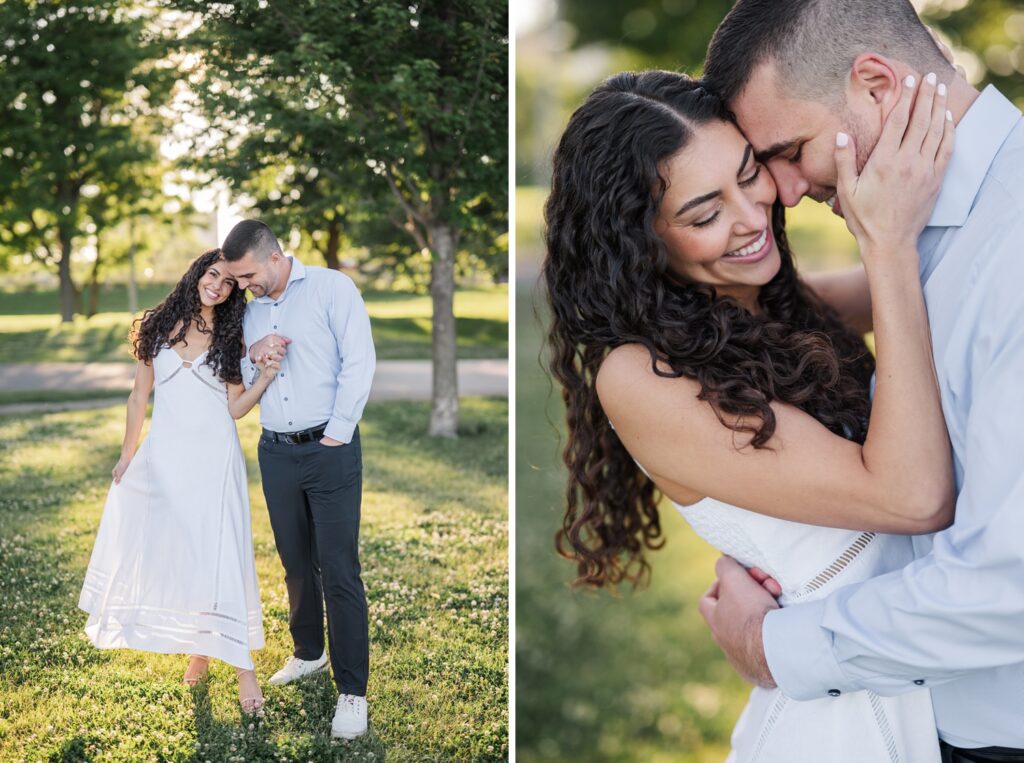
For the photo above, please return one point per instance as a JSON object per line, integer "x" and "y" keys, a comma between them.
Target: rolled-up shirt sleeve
{"x": 350, "y": 324}
{"x": 959, "y": 608}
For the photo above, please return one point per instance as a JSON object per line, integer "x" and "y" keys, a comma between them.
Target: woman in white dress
{"x": 172, "y": 570}
{"x": 696, "y": 363}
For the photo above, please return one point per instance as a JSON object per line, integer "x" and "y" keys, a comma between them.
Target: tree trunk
{"x": 67, "y": 286}
{"x": 333, "y": 244}
{"x": 66, "y": 198}
{"x": 444, "y": 414}
{"x": 133, "y": 292}
{"x": 94, "y": 285}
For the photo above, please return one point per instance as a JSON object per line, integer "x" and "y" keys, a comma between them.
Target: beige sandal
{"x": 197, "y": 668}
{"x": 250, "y": 705}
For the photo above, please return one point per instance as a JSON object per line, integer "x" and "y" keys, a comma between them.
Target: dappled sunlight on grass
{"x": 401, "y": 328}
{"x": 35, "y": 338}
{"x": 491, "y": 303}
{"x": 434, "y": 557}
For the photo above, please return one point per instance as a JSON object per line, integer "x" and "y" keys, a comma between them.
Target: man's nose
{"x": 791, "y": 185}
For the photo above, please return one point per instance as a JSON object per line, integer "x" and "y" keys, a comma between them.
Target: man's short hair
{"x": 813, "y": 44}
{"x": 250, "y": 236}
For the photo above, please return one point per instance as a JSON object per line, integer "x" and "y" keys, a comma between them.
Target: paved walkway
{"x": 394, "y": 380}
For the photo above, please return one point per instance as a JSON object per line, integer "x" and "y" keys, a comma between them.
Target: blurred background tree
{"x": 637, "y": 678}
{"x": 81, "y": 88}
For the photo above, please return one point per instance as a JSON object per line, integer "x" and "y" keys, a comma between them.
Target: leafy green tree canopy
{"x": 78, "y": 83}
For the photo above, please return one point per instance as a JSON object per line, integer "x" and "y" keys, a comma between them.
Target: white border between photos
{"x": 512, "y": 26}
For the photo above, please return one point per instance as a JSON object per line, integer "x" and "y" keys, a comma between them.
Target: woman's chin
{"x": 760, "y": 273}
{"x": 773, "y": 263}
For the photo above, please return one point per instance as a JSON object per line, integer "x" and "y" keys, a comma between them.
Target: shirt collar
{"x": 297, "y": 274}
{"x": 979, "y": 135}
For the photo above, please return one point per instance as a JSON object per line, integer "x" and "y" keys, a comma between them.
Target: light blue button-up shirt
{"x": 328, "y": 368}
{"x": 953, "y": 618}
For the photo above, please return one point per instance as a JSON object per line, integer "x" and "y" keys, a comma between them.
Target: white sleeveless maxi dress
{"x": 172, "y": 570}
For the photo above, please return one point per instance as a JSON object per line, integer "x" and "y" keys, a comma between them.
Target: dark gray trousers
{"x": 952, "y": 754}
{"x": 313, "y": 496}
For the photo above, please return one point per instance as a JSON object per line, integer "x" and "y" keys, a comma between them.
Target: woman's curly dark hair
{"x": 153, "y": 330}
{"x": 608, "y": 284}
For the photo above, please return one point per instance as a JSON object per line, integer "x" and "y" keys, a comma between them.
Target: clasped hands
{"x": 268, "y": 354}
{"x": 270, "y": 349}
{"x": 734, "y": 608}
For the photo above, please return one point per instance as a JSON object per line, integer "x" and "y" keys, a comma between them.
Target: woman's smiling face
{"x": 715, "y": 218}
{"x": 216, "y": 284}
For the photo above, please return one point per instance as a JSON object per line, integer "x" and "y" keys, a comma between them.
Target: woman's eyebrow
{"x": 708, "y": 196}
{"x": 746, "y": 156}
{"x": 697, "y": 201}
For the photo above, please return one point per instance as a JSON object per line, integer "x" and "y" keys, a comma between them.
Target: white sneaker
{"x": 350, "y": 717}
{"x": 295, "y": 669}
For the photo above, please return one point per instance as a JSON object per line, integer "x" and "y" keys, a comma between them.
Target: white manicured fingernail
{"x": 842, "y": 139}
{"x": 909, "y": 81}
{"x": 949, "y": 115}
{"x": 942, "y": 88}
{"x": 930, "y": 79}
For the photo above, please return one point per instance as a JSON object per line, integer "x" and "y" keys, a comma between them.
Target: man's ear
{"x": 874, "y": 83}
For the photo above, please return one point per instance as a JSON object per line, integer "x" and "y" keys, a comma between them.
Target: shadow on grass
{"x": 73, "y": 344}
{"x": 113, "y": 299}
{"x": 37, "y": 339}
{"x": 452, "y": 468}
{"x": 409, "y": 338}
{"x": 74, "y": 750}
{"x": 218, "y": 740}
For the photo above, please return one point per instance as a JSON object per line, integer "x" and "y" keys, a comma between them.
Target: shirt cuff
{"x": 340, "y": 430}
{"x": 248, "y": 370}
{"x": 799, "y": 653}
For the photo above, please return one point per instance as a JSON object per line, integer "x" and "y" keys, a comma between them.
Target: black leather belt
{"x": 296, "y": 438}
{"x": 951, "y": 754}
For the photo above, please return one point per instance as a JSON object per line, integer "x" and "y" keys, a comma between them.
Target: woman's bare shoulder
{"x": 628, "y": 370}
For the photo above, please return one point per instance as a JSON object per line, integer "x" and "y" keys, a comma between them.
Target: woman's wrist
{"x": 887, "y": 246}
{"x": 888, "y": 254}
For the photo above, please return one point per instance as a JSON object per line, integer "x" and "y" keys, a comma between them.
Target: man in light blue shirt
{"x": 312, "y": 321}
{"x": 952, "y": 620}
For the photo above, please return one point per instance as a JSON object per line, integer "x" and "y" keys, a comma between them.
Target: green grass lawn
{"x": 31, "y": 331}
{"x": 434, "y": 557}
